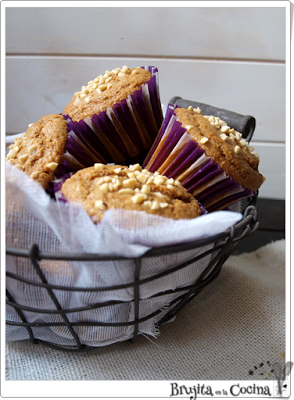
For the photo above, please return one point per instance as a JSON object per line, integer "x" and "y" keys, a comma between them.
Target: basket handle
{"x": 245, "y": 124}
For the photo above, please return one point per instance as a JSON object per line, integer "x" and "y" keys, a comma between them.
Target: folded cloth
{"x": 233, "y": 330}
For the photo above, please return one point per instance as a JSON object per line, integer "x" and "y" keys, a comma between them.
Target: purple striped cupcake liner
{"x": 118, "y": 134}
{"x": 56, "y": 185}
{"x": 176, "y": 155}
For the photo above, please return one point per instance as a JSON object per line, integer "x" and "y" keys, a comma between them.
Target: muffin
{"x": 103, "y": 187}
{"x": 39, "y": 151}
{"x": 115, "y": 118}
{"x": 210, "y": 159}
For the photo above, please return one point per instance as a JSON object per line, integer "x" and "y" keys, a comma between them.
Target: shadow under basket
{"x": 221, "y": 247}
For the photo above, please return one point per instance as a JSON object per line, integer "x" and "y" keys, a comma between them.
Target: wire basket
{"x": 224, "y": 244}
{"x": 216, "y": 249}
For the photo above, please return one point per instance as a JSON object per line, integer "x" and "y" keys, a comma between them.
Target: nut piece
{"x": 170, "y": 181}
{"x": 145, "y": 189}
{"x": 147, "y": 203}
{"x": 100, "y": 204}
{"x": 52, "y": 166}
{"x": 139, "y": 198}
{"x": 135, "y": 167}
{"x": 35, "y": 175}
{"x": 131, "y": 175}
{"x": 204, "y": 140}
{"x": 126, "y": 70}
{"x": 12, "y": 153}
{"x": 155, "y": 205}
{"x": 225, "y": 128}
{"x": 126, "y": 190}
{"x": 100, "y": 180}
{"x": 224, "y": 136}
{"x": 104, "y": 187}
{"x": 102, "y": 87}
{"x": 23, "y": 158}
{"x": 159, "y": 194}
{"x": 113, "y": 187}
{"x": 237, "y": 149}
{"x": 159, "y": 180}
{"x": 142, "y": 178}
{"x": 131, "y": 183}
{"x": 243, "y": 142}
{"x": 150, "y": 180}
{"x": 85, "y": 90}
{"x": 98, "y": 166}
{"x": 32, "y": 149}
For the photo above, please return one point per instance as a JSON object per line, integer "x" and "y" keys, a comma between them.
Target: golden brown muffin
{"x": 105, "y": 91}
{"x": 104, "y": 187}
{"x": 224, "y": 145}
{"x": 39, "y": 151}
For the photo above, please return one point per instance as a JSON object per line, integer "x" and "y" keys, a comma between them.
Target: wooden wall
{"x": 229, "y": 57}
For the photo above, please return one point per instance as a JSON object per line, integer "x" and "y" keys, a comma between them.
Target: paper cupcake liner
{"x": 118, "y": 134}
{"x": 56, "y": 184}
{"x": 176, "y": 155}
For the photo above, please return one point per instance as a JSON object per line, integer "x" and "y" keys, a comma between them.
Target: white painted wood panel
{"x": 272, "y": 166}
{"x": 229, "y": 57}
{"x": 37, "y": 86}
{"x": 213, "y": 32}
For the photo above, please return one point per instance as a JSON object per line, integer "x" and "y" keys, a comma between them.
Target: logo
{"x": 282, "y": 374}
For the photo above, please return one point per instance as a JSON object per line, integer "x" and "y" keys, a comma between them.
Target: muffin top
{"x": 105, "y": 91}
{"x": 39, "y": 150}
{"x": 224, "y": 145}
{"x": 104, "y": 187}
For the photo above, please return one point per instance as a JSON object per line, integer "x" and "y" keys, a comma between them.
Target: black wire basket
{"x": 220, "y": 248}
